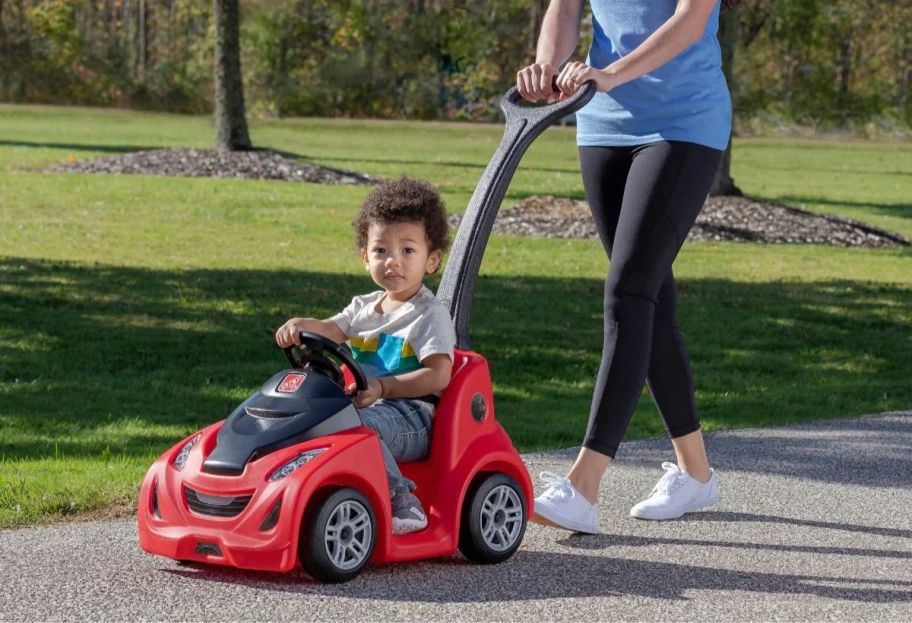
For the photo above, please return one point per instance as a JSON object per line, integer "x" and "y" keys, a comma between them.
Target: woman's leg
{"x": 604, "y": 171}
{"x": 644, "y": 201}
{"x": 665, "y": 188}
{"x": 670, "y": 381}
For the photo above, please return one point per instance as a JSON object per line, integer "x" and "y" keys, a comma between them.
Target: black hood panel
{"x": 270, "y": 420}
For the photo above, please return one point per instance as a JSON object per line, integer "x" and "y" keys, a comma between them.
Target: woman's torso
{"x": 686, "y": 99}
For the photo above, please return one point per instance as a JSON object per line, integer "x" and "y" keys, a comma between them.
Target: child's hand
{"x": 366, "y": 397}
{"x": 287, "y": 335}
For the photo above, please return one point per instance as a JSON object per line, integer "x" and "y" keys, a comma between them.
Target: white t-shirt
{"x": 386, "y": 344}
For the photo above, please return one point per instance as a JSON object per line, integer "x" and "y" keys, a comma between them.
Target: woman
{"x": 650, "y": 142}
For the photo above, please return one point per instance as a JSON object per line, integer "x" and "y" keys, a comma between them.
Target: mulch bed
{"x": 257, "y": 164}
{"x": 722, "y": 218}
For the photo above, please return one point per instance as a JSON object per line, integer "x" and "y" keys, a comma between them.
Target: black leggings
{"x": 644, "y": 200}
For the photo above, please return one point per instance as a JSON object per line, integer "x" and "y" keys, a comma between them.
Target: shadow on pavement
{"x": 604, "y": 541}
{"x": 871, "y": 451}
{"x": 793, "y": 521}
{"x": 568, "y": 576}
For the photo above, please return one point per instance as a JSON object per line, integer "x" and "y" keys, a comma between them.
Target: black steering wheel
{"x": 323, "y": 355}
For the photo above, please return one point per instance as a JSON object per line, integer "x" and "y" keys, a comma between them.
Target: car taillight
{"x": 181, "y": 459}
{"x": 295, "y": 463}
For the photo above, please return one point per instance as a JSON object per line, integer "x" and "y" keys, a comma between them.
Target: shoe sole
{"x": 407, "y": 527}
{"x": 693, "y": 507}
{"x": 542, "y": 519}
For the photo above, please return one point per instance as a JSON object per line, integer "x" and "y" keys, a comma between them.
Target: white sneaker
{"x": 565, "y": 507}
{"x": 677, "y": 493}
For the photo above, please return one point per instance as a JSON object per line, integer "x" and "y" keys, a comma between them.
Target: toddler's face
{"x": 397, "y": 257}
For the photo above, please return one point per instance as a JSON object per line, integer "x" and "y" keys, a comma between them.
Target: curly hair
{"x": 405, "y": 200}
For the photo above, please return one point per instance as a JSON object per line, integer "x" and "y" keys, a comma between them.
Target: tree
{"x": 230, "y": 117}
{"x": 728, "y": 38}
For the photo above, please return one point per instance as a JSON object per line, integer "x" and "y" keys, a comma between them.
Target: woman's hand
{"x": 576, "y": 74}
{"x": 534, "y": 82}
{"x": 366, "y": 397}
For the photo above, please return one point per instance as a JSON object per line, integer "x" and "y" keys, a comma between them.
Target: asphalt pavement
{"x": 815, "y": 524}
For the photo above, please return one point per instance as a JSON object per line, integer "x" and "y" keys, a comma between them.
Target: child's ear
{"x": 433, "y": 261}
{"x": 364, "y": 258}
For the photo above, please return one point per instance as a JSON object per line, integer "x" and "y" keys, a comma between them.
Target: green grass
{"x": 136, "y": 309}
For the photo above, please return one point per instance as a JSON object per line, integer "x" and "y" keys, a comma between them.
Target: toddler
{"x": 401, "y": 335}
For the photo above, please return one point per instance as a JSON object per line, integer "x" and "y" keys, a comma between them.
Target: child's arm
{"x": 431, "y": 378}
{"x": 287, "y": 335}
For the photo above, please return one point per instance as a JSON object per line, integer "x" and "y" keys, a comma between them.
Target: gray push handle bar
{"x": 523, "y": 125}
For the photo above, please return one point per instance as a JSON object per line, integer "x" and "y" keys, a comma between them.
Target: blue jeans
{"x": 404, "y": 427}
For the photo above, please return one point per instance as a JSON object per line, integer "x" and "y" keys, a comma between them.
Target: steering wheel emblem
{"x": 291, "y": 382}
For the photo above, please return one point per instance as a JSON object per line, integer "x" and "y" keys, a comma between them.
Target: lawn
{"x": 135, "y": 309}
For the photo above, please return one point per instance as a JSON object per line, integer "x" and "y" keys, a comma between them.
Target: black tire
{"x": 494, "y": 517}
{"x": 338, "y": 537}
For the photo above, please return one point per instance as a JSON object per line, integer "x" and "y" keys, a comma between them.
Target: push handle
{"x": 511, "y": 103}
{"x": 524, "y": 125}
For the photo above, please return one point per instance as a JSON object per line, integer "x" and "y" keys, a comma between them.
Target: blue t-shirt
{"x": 685, "y": 99}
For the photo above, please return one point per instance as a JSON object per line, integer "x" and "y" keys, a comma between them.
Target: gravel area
{"x": 722, "y": 218}
{"x": 262, "y": 164}
{"x": 813, "y": 526}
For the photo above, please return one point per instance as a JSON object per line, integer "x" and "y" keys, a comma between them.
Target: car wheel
{"x": 494, "y": 519}
{"x": 338, "y": 540}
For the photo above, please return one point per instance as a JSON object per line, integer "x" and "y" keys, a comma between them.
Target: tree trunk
{"x": 230, "y": 118}
{"x": 536, "y": 17}
{"x": 904, "y": 67}
{"x": 728, "y": 39}
{"x": 143, "y": 46}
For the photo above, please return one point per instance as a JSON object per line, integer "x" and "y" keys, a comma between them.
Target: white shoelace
{"x": 558, "y": 488}
{"x": 672, "y": 479}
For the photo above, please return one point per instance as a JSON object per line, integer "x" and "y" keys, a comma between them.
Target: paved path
{"x": 815, "y": 524}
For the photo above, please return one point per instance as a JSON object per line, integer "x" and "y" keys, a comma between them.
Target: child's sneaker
{"x": 677, "y": 493}
{"x": 408, "y": 514}
{"x": 563, "y": 506}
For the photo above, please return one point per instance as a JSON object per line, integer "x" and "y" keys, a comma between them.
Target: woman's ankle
{"x": 586, "y": 473}
{"x": 585, "y": 486}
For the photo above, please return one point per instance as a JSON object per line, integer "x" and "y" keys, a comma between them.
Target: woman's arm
{"x": 557, "y": 41}
{"x": 682, "y": 29}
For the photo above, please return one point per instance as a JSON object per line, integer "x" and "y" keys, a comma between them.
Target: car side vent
{"x": 216, "y": 505}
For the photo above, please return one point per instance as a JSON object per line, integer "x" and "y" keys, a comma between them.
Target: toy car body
{"x": 255, "y": 506}
{"x": 293, "y": 477}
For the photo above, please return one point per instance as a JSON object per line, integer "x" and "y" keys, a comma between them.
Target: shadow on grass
{"x": 113, "y": 149}
{"x": 131, "y": 359}
{"x": 901, "y": 210}
{"x": 443, "y": 163}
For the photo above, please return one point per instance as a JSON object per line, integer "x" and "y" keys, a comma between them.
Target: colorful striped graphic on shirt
{"x": 387, "y": 353}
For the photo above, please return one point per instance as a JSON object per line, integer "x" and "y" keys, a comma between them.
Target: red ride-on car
{"x": 291, "y": 476}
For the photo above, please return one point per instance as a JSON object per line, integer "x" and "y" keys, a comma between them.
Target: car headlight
{"x": 181, "y": 459}
{"x": 295, "y": 463}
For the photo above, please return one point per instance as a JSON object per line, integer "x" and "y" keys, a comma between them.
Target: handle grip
{"x": 511, "y": 103}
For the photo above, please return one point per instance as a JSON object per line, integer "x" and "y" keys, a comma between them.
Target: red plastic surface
{"x": 462, "y": 449}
